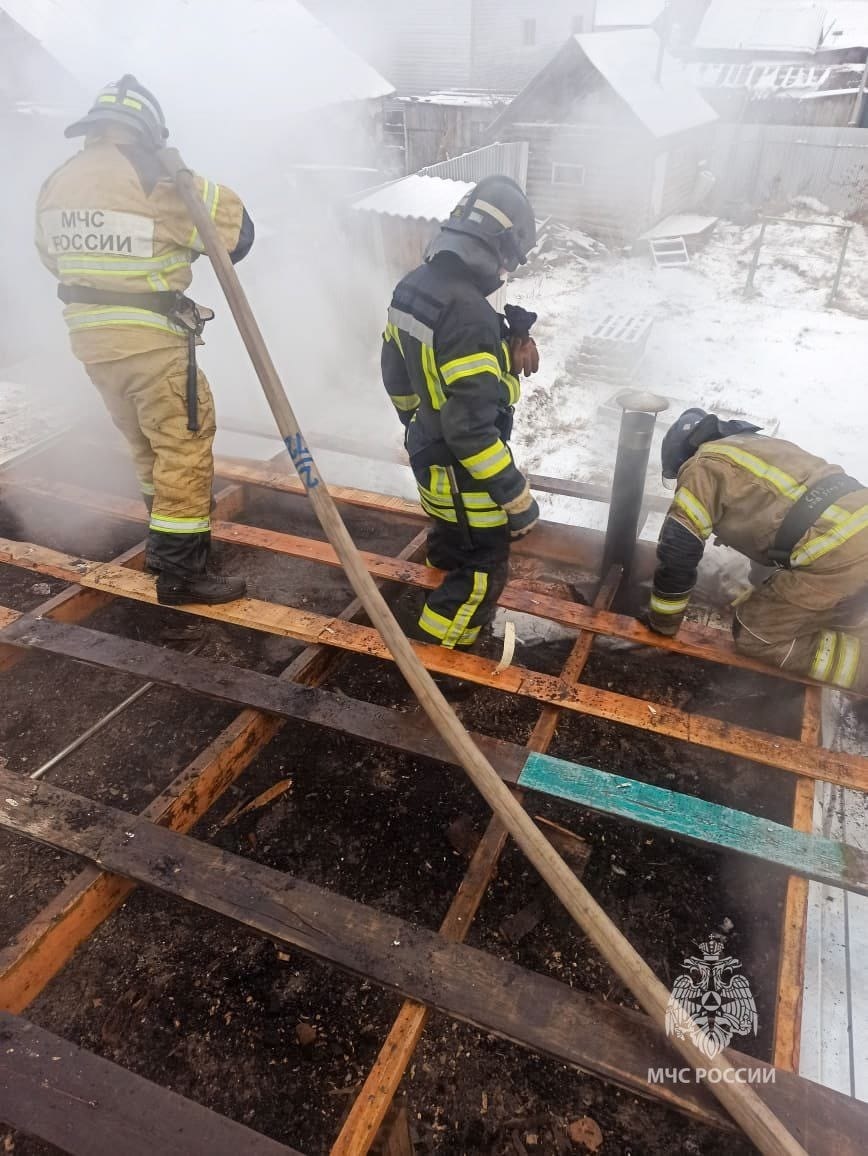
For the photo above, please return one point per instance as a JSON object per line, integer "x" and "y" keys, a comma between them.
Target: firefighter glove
{"x": 524, "y": 356}
{"x": 520, "y": 321}
{"x": 522, "y": 512}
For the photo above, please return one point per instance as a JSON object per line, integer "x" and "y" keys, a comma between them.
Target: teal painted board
{"x": 810, "y": 855}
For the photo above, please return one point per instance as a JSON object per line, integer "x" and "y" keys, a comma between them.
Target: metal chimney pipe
{"x": 628, "y": 485}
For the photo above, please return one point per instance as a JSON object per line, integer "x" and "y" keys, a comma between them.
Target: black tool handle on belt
{"x": 805, "y": 512}
{"x": 460, "y": 509}
{"x": 192, "y": 383}
{"x": 171, "y": 304}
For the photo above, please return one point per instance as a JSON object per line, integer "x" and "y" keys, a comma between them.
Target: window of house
{"x": 568, "y": 174}
{"x": 529, "y": 33}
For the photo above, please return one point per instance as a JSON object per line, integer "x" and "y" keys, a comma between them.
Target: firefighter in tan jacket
{"x": 781, "y": 507}
{"x": 114, "y": 231}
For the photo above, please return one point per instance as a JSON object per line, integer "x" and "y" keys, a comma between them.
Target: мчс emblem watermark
{"x": 711, "y": 1002}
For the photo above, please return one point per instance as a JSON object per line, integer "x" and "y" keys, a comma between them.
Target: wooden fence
{"x": 758, "y": 164}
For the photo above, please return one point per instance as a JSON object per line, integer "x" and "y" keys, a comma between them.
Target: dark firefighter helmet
{"x": 126, "y": 102}
{"x": 497, "y": 213}
{"x": 694, "y": 428}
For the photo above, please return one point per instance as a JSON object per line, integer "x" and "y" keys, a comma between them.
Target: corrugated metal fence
{"x": 758, "y": 164}
{"x": 509, "y": 159}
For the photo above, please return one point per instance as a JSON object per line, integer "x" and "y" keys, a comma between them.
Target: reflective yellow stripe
{"x": 393, "y": 333}
{"x": 481, "y": 519}
{"x": 832, "y": 539}
{"x": 405, "y": 402}
{"x": 467, "y": 609}
{"x": 440, "y": 487}
{"x": 211, "y": 197}
{"x": 102, "y": 317}
{"x": 834, "y": 514}
{"x": 488, "y": 462}
{"x": 432, "y": 377}
{"x": 147, "y": 488}
{"x": 824, "y": 656}
{"x": 433, "y": 623}
{"x": 444, "y": 513}
{"x": 469, "y": 636}
{"x": 109, "y": 265}
{"x": 847, "y": 666}
{"x": 168, "y": 525}
{"x": 493, "y": 211}
{"x": 486, "y": 521}
{"x": 782, "y": 482}
{"x": 470, "y": 366}
{"x": 661, "y": 605}
{"x": 695, "y": 511}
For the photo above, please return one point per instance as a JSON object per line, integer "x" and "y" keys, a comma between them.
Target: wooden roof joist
{"x": 692, "y": 641}
{"x": 492, "y": 994}
{"x": 88, "y": 1106}
{"x": 46, "y": 944}
{"x": 310, "y": 628}
{"x": 811, "y": 856}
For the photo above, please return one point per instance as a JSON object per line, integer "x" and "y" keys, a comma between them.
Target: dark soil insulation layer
{"x": 196, "y": 1004}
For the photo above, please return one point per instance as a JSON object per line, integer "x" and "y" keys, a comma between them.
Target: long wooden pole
{"x": 757, "y": 1120}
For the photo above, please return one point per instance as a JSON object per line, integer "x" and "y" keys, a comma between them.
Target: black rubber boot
{"x": 206, "y": 589}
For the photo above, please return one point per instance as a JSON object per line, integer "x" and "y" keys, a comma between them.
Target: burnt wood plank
{"x": 85, "y": 1105}
{"x": 683, "y": 815}
{"x": 493, "y": 995}
{"x": 264, "y": 692}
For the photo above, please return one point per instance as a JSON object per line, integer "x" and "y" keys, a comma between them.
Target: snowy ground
{"x": 778, "y": 355}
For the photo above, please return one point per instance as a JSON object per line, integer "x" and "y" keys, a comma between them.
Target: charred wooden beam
{"x": 813, "y": 856}
{"x": 492, "y": 994}
{"x": 834, "y": 767}
{"x": 47, "y": 943}
{"x": 87, "y": 1106}
{"x": 371, "y": 1105}
{"x": 692, "y": 641}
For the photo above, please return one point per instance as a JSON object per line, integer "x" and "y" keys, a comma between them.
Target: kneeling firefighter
{"x": 783, "y": 508}
{"x": 451, "y": 366}
{"x": 113, "y": 229}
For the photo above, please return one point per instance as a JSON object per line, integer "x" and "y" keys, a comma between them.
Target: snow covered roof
{"x": 628, "y": 62}
{"x": 417, "y": 197}
{"x": 773, "y": 77}
{"x": 845, "y": 25}
{"x": 254, "y": 62}
{"x": 772, "y": 26}
{"x": 462, "y": 98}
{"x": 612, "y": 14}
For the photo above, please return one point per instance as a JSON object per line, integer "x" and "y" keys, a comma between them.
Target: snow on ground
{"x": 23, "y": 421}
{"x": 779, "y": 355}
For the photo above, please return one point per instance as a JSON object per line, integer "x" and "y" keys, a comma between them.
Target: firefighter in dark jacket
{"x": 112, "y": 227}
{"x": 451, "y": 365}
{"x": 783, "y": 508}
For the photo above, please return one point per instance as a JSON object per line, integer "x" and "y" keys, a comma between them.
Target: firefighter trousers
{"x": 146, "y": 397}
{"x": 826, "y": 643}
{"x": 466, "y": 600}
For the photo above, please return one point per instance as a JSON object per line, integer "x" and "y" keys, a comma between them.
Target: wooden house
{"x": 616, "y": 133}
{"x": 771, "y": 63}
